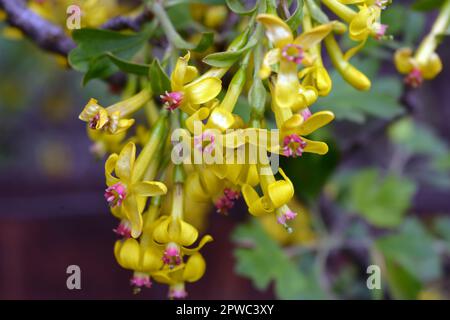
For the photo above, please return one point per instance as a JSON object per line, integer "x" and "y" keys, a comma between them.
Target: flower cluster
{"x": 198, "y": 152}
{"x": 425, "y": 63}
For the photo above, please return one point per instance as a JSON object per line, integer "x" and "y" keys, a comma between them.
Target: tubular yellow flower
{"x": 191, "y": 271}
{"x": 362, "y": 24}
{"x": 143, "y": 260}
{"x": 350, "y": 74}
{"x": 425, "y": 64}
{"x": 289, "y": 52}
{"x": 173, "y": 233}
{"x": 124, "y": 191}
{"x": 111, "y": 119}
{"x": 187, "y": 92}
{"x": 276, "y": 195}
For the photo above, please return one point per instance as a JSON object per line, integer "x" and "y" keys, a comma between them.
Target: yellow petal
{"x": 280, "y": 192}
{"x": 127, "y": 254}
{"x": 188, "y": 234}
{"x": 149, "y": 188}
{"x": 314, "y": 36}
{"x": 271, "y": 57}
{"x": 287, "y": 86}
{"x": 277, "y": 30}
{"x": 191, "y": 74}
{"x": 202, "y": 91}
{"x": 202, "y": 243}
{"x": 257, "y": 205}
{"x": 315, "y": 146}
{"x": 130, "y": 207}
{"x": 125, "y": 162}
{"x": 161, "y": 232}
{"x": 195, "y": 189}
{"x": 151, "y": 260}
{"x": 220, "y": 119}
{"x": 359, "y": 28}
{"x": 195, "y": 268}
{"x": 163, "y": 277}
{"x": 110, "y": 164}
{"x": 178, "y": 74}
{"x": 403, "y": 60}
{"x": 197, "y": 117}
{"x": 432, "y": 68}
{"x": 316, "y": 121}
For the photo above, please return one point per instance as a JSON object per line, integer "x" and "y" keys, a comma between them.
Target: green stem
{"x": 159, "y": 130}
{"x": 431, "y": 41}
{"x": 341, "y": 10}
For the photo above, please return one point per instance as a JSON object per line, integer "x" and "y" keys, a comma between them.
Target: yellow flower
{"x": 347, "y": 71}
{"x": 104, "y": 142}
{"x": 125, "y": 191}
{"x": 276, "y": 196}
{"x": 111, "y": 119}
{"x": 289, "y": 52}
{"x": 188, "y": 93}
{"x": 191, "y": 271}
{"x": 143, "y": 260}
{"x": 362, "y": 24}
{"x": 176, "y": 236}
{"x": 426, "y": 68}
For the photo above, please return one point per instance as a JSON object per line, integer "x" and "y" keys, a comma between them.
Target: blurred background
{"x": 380, "y": 196}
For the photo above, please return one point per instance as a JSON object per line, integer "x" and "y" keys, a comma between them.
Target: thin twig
{"x": 43, "y": 33}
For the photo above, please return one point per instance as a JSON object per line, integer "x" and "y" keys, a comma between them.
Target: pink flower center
{"x": 205, "y": 142}
{"x": 172, "y": 256}
{"x": 414, "y": 78}
{"x": 115, "y": 194}
{"x": 293, "y": 146}
{"x": 94, "y": 121}
{"x": 226, "y": 202}
{"x": 380, "y": 30}
{"x": 177, "y": 293}
{"x": 293, "y": 52}
{"x": 123, "y": 229}
{"x": 306, "y": 113}
{"x": 172, "y": 100}
{"x": 140, "y": 281}
{"x": 381, "y": 4}
{"x": 286, "y": 216}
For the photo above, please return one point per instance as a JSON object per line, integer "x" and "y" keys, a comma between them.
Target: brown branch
{"x": 133, "y": 23}
{"x": 43, "y": 33}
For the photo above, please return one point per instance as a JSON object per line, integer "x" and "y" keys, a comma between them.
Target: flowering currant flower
{"x": 289, "y": 53}
{"x": 187, "y": 91}
{"x": 112, "y": 119}
{"x": 191, "y": 271}
{"x": 124, "y": 191}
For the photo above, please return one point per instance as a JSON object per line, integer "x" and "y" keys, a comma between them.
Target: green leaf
{"x": 228, "y": 58}
{"x": 416, "y": 138}
{"x": 316, "y": 12}
{"x": 412, "y": 248}
{"x": 159, "y": 80}
{"x": 441, "y": 226}
{"x": 265, "y": 262}
{"x": 94, "y": 44}
{"x": 205, "y": 42}
{"x": 426, "y": 5}
{"x": 296, "y": 18}
{"x": 381, "y": 201}
{"x": 237, "y": 7}
{"x": 129, "y": 67}
{"x": 402, "y": 284}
